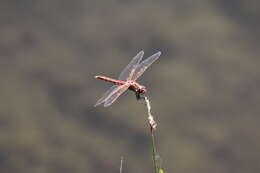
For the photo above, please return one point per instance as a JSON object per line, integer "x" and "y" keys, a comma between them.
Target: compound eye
{"x": 143, "y": 90}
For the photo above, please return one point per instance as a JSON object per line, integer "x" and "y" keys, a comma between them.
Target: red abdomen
{"x": 117, "y": 82}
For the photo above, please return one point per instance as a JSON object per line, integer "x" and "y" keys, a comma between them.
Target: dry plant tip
{"x": 151, "y": 120}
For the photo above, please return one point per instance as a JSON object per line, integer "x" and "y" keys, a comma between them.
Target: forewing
{"x": 112, "y": 98}
{"x": 128, "y": 71}
{"x": 140, "y": 69}
{"x": 106, "y": 94}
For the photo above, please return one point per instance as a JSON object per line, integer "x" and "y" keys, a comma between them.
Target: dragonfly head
{"x": 142, "y": 90}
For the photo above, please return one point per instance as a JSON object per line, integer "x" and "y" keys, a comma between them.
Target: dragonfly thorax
{"x": 134, "y": 86}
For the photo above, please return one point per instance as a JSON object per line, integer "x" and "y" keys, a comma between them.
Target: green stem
{"x": 154, "y": 151}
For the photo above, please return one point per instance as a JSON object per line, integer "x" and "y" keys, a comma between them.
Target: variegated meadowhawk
{"x": 127, "y": 79}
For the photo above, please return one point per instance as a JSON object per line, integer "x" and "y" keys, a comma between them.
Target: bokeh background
{"x": 204, "y": 89}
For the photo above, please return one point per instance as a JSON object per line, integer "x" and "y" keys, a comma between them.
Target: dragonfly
{"x": 127, "y": 79}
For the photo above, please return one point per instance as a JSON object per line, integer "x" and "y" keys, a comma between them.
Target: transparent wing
{"x": 113, "y": 96}
{"x": 106, "y": 94}
{"x": 140, "y": 69}
{"x": 128, "y": 71}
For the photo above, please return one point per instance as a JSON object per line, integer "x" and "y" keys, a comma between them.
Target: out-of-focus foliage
{"x": 204, "y": 88}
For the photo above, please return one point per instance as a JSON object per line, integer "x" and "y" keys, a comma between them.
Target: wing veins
{"x": 128, "y": 71}
{"x": 140, "y": 69}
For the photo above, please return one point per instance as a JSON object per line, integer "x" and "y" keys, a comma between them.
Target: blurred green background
{"x": 204, "y": 89}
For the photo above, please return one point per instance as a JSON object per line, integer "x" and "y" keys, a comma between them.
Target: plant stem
{"x": 154, "y": 150}
{"x": 121, "y": 164}
{"x": 152, "y": 125}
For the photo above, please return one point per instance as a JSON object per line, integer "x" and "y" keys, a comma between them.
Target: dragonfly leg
{"x": 138, "y": 96}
